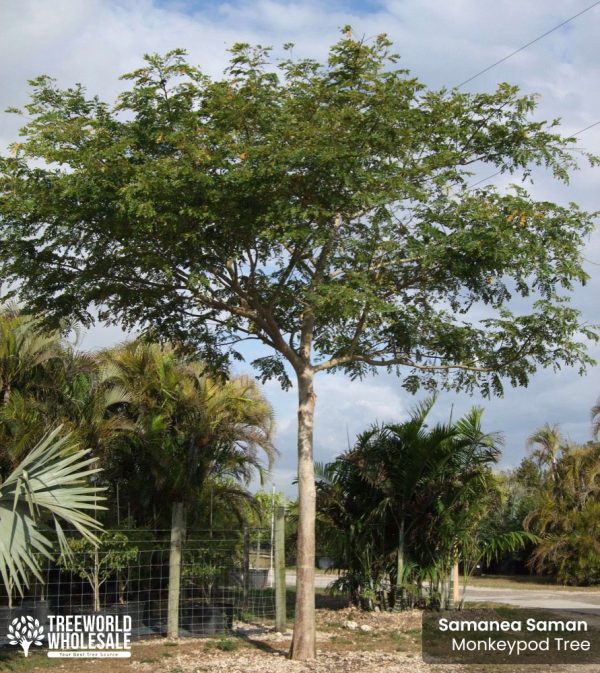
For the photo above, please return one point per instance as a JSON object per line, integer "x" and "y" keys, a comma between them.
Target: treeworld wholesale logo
{"x": 25, "y": 631}
{"x": 75, "y": 636}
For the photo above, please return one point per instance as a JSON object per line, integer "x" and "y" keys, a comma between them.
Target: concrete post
{"x": 177, "y": 533}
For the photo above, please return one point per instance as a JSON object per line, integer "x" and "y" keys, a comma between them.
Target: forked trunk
{"x": 303, "y": 641}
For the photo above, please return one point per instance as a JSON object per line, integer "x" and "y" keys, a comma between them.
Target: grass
{"x": 13, "y": 661}
{"x": 340, "y": 640}
{"x": 227, "y": 644}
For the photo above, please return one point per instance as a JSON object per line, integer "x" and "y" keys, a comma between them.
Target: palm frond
{"x": 49, "y": 484}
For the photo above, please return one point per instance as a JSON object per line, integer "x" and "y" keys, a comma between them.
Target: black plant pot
{"x": 38, "y": 610}
{"x": 205, "y": 620}
{"x": 6, "y": 616}
{"x": 134, "y": 609}
{"x": 227, "y": 608}
{"x": 195, "y": 617}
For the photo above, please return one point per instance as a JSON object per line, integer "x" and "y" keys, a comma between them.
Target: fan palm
{"x": 49, "y": 485}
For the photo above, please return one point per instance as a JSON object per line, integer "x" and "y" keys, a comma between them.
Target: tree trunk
{"x": 303, "y": 641}
{"x": 96, "y": 580}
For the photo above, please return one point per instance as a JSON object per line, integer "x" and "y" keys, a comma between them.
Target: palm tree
{"x": 88, "y": 403}
{"x": 190, "y": 426}
{"x": 570, "y": 549}
{"x": 24, "y": 349}
{"x": 429, "y": 480}
{"x": 596, "y": 419}
{"x": 26, "y": 355}
{"x": 545, "y": 445}
{"x": 50, "y": 484}
{"x": 566, "y": 517}
{"x": 422, "y": 487}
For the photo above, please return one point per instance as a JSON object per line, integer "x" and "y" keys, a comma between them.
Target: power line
{"x": 493, "y": 175}
{"x": 537, "y": 39}
{"x": 586, "y": 128}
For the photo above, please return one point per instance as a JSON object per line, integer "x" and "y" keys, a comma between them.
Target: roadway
{"x": 583, "y": 601}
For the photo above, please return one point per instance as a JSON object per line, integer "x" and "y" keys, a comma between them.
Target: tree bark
{"x": 96, "y": 580}
{"x": 303, "y": 641}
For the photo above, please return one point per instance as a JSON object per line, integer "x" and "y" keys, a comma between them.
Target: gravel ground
{"x": 261, "y": 662}
{"x": 348, "y": 641}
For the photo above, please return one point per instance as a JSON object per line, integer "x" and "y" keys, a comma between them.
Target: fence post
{"x": 177, "y": 530}
{"x": 246, "y": 563}
{"x": 453, "y": 588}
{"x": 456, "y": 587}
{"x": 280, "y": 616}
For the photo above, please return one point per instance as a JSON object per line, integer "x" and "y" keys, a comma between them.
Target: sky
{"x": 443, "y": 43}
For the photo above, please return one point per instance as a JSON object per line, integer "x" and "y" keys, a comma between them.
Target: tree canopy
{"x": 307, "y": 205}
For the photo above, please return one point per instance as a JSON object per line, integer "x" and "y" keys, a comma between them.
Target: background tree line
{"x": 409, "y": 500}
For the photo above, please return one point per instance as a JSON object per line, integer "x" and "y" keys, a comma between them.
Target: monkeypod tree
{"x": 322, "y": 209}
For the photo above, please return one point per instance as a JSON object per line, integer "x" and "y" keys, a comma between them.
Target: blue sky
{"x": 443, "y": 43}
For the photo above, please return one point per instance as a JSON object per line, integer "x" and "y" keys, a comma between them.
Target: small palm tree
{"x": 545, "y": 445}
{"x": 428, "y": 479}
{"x": 49, "y": 486}
{"x": 422, "y": 487}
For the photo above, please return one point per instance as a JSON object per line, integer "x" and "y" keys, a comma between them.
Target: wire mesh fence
{"x": 225, "y": 576}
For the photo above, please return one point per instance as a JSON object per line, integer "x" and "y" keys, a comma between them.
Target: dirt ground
{"x": 349, "y": 641}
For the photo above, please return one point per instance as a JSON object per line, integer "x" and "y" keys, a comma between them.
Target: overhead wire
{"x": 537, "y": 39}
